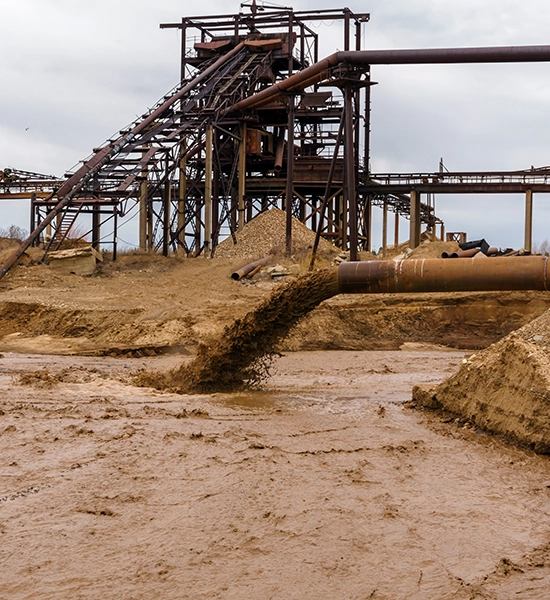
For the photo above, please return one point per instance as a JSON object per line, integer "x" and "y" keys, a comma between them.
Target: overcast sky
{"x": 74, "y": 73}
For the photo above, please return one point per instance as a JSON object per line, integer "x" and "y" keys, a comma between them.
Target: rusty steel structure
{"x": 436, "y": 275}
{"x": 257, "y": 121}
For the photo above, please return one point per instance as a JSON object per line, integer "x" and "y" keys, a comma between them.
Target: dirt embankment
{"x": 505, "y": 389}
{"x": 149, "y": 304}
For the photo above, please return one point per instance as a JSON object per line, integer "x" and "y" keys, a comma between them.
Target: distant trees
{"x": 14, "y": 232}
{"x": 542, "y": 248}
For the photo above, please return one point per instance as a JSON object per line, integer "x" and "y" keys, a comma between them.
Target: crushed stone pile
{"x": 504, "y": 389}
{"x": 266, "y": 234}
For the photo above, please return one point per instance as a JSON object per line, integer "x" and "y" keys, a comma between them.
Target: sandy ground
{"x": 324, "y": 484}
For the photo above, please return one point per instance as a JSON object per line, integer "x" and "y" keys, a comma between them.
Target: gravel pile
{"x": 266, "y": 234}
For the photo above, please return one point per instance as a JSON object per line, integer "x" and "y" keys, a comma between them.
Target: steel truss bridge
{"x": 257, "y": 121}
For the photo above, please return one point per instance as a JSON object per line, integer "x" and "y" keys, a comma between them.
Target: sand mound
{"x": 504, "y": 389}
{"x": 428, "y": 249}
{"x": 266, "y": 234}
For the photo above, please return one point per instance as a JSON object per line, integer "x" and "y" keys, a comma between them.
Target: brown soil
{"x": 149, "y": 304}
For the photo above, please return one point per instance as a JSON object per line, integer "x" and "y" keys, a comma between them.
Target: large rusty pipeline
{"x": 440, "y": 275}
{"x": 320, "y": 70}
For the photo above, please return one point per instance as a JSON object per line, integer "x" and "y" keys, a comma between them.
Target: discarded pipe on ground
{"x": 466, "y": 253}
{"x": 436, "y": 275}
{"x": 247, "y": 269}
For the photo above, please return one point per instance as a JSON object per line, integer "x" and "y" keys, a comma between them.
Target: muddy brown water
{"x": 321, "y": 485}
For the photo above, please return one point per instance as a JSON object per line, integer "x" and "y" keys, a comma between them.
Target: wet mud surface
{"x": 324, "y": 484}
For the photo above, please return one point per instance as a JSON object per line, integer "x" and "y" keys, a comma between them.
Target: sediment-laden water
{"x": 242, "y": 354}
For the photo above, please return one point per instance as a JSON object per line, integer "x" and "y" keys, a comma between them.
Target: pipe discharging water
{"x": 242, "y": 354}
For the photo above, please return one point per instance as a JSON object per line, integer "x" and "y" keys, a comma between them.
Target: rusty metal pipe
{"x": 438, "y": 275}
{"x": 247, "y": 269}
{"x": 320, "y": 70}
{"x": 465, "y": 253}
{"x": 279, "y": 151}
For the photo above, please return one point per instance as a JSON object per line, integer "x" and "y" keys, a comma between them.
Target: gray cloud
{"x": 74, "y": 73}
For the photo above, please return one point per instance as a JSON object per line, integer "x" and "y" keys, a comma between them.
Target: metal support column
{"x": 385, "y": 229}
{"x": 215, "y": 193}
{"x": 414, "y": 237}
{"x": 396, "y": 230}
{"x": 350, "y": 194}
{"x": 167, "y": 193}
{"x": 96, "y": 233}
{"x": 208, "y": 192}
{"x": 115, "y": 232}
{"x": 368, "y": 224}
{"x": 143, "y": 191}
{"x": 181, "y": 199}
{"x": 528, "y": 239}
{"x": 289, "y": 174}
{"x": 33, "y": 215}
{"x": 242, "y": 178}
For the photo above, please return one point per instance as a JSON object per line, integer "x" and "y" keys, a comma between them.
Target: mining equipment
{"x": 257, "y": 121}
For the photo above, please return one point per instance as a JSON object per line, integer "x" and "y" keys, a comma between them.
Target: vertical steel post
{"x": 33, "y": 215}
{"x": 115, "y": 231}
{"x": 208, "y": 192}
{"x": 302, "y": 45}
{"x": 183, "y": 44}
{"x": 143, "y": 212}
{"x": 346, "y": 28}
{"x": 385, "y": 229}
{"x": 368, "y": 222}
{"x": 96, "y": 234}
{"x": 242, "y": 178}
{"x": 236, "y": 30}
{"x": 167, "y": 193}
{"x": 149, "y": 211}
{"x": 414, "y": 238}
{"x": 290, "y": 42}
{"x": 350, "y": 195}
{"x": 181, "y": 197}
{"x": 396, "y": 230}
{"x": 366, "y": 150}
{"x": 341, "y": 219}
{"x": 289, "y": 173}
{"x": 528, "y": 238}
